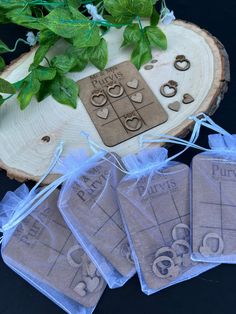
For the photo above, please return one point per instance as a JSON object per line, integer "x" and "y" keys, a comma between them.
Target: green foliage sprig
{"x": 82, "y": 27}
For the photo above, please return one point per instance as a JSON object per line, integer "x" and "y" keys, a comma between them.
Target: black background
{"x": 211, "y": 292}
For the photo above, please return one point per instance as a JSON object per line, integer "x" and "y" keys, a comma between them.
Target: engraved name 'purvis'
{"x": 220, "y": 171}
{"x": 157, "y": 188}
{"x": 106, "y": 80}
{"x": 91, "y": 186}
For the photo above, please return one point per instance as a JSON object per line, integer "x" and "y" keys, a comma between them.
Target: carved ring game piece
{"x": 183, "y": 227}
{"x": 181, "y": 63}
{"x": 167, "y": 251}
{"x": 133, "y": 122}
{"x": 97, "y": 95}
{"x": 71, "y": 260}
{"x": 169, "y": 89}
{"x": 113, "y": 86}
{"x": 206, "y": 250}
{"x": 164, "y": 267}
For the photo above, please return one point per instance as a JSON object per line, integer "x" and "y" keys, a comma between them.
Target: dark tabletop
{"x": 211, "y": 292}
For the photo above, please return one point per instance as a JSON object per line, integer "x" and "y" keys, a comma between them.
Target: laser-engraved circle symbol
{"x": 181, "y": 63}
{"x": 206, "y": 250}
{"x": 169, "y": 89}
{"x": 98, "y": 99}
{"x": 75, "y": 256}
{"x": 180, "y": 227}
{"x": 113, "y": 87}
{"x": 133, "y": 123}
{"x": 164, "y": 267}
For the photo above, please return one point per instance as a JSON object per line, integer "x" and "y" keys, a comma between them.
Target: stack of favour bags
{"x": 113, "y": 217}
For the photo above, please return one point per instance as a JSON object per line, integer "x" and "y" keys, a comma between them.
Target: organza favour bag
{"x": 155, "y": 207}
{"x": 214, "y": 201}
{"x": 89, "y": 206}
{"x": 43, "y": 251}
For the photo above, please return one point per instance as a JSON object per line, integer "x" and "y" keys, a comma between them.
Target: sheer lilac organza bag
{"x": 155, "y": 206}
{"x": 43, "y": 251}
{"x": 89, "y": 206}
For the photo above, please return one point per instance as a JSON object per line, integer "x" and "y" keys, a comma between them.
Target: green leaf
{"x": 73, "y": 24}
{"x": 2, "y": 63}
{"x": 156, "y": 37}
{"x": 44, "y": 73}
{"x": 1, "y": 100}
{"x": 63, "y": 63}
{"x": 119, "y": 20}
{"x": 99, "y": 55}
{"x": 65, "y": 91}
{"x": 44, "y": 91}
{"x": 142, "y": 53}
{"x": 129, "y": 7}
{"x": 46, "y": 40}
{"x": 132, "y": 34}
{"x": 80, "y": 55}
{"x": 3, "y": 47}
{"x": 25, "y": 18}
{"x": 6, "y": 87}
{"x": 74, "y": 3}
{"x": 155, "y": 17}
{"x": 29, "y": 88}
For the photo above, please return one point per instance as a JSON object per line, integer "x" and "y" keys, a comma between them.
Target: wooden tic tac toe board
{"x": 120, "y": 103}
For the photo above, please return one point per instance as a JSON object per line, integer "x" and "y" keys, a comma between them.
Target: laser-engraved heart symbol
{"x": 133, "y": 123}
{"x": 133, "y": 84}
{"x": 187, "y": 99}
{"x": 175, "y": 106}
{"x": 103, "y": 113}
{"x": 138, "y": 97}
{"x": 98, "y": 99}
{"x": 92, "y": 283}
{"x": 80, "y": 289}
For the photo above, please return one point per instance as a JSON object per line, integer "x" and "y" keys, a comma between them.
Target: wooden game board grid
{"x": 159, "y": 224}
{"x": 59, "y": 252}
{"x": 110, "y": 219}
{"x": 134, "y": 108}
{"x": 222, "y": 205}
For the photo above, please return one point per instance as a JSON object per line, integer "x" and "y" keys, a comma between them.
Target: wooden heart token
{"x": 81, "y": 289}
{"x": 187, "y": 99}
{"x": 175, "y": 106}
{"x": 92, "y": 283}
{"x": 138, "y": 97}
{"x": 103, "y": 113}
{"x": 133, "y": 84}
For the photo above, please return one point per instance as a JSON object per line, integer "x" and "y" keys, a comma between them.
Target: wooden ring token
{"x": 109, "y": 88}
{"x": 70, "y": 259}
{"x": 171, "y": 86}
{"x": 180, "y": 226}
{"x": 179, "y": 61}
{"x": 168, "y": 271}
{"x": 206, "y": 250}
{"x": 97, "y": 94}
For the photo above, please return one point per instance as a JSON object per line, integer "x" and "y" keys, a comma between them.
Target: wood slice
{"x": 28, "y": 138}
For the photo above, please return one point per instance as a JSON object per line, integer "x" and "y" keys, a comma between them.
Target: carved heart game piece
{"x": 187, "y": 99}
{"x": 138, "y": 97}
{"x": 89, "y": 204}
{"x": 118, "y": 84}
{"x": 133, "y": 84}
{"x": 40, "y": 247}
{"x": 213, "y": 209}
{"x": 103, "y": 113}
{"x": 174, "y": 106}
{"x": 157, "y": 217}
